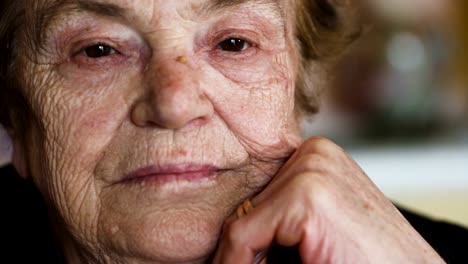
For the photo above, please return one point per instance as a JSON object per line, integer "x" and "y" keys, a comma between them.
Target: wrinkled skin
{"x": 166, "y": 95}
{"x": 100, "y": 119}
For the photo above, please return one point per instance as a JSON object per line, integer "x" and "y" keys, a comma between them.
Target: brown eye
{"x": 233, "y": 45}
{"x": 98, "y": 50}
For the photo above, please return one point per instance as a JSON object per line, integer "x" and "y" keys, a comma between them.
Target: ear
{"x": 19, "y": 157}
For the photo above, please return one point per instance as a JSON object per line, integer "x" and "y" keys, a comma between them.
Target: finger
{"x": 271, "y": 187}
{"x": 315, "y": 155}
{"x": 240, "y": 243}
{"x": 242, "y": 210}
{"x": 229, "y": 252}
{"x": 308, "y": 165}
{"x": 246, "y": 237}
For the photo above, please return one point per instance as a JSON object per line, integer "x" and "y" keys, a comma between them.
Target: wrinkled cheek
{"x": 269, "y": 140}
{"x": 64, "y": 182}
{"x": 94, "y": 132}
{"x": 72, "y": 139}
{"x": 84, "y": 135}
{"x": 262, "y": 117}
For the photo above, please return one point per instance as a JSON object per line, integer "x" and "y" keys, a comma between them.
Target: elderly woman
{"x": 168, "y": 132}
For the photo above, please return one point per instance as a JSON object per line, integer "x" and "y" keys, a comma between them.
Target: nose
{"x": 174, "y": 97}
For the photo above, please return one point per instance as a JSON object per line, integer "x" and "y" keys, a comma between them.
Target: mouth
{"x": 172, "y": 173}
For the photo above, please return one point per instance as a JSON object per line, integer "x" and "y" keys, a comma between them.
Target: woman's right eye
{"x": 98, "y": 51}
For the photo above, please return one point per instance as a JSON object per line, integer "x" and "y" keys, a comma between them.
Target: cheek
{"x": 77, "y": 122}
{"x": 82, "y": 112}
{"x": 245, "y": 72}
{"x": 260, "y": 111}
{"x": 83, "y": 124}
{"x": 258, "y": 70}
{"x": 95, "y": 129}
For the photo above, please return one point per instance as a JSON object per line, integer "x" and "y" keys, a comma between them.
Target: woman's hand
{"x": 322, "y": 202}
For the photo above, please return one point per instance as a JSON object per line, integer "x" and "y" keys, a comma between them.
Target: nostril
{"x": 149, "y": 113}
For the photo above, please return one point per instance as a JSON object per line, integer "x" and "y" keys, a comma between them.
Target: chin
{"x": 181, "y": 237}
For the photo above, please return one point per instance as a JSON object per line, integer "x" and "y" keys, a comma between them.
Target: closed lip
{"x": 171, "y": 172}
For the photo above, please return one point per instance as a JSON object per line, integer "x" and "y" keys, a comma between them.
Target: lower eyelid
{"x": 247, "y": 53}
{"x": 84, "y": 61}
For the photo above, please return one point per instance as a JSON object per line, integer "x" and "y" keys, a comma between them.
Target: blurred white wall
{"x": 430, "y": 178}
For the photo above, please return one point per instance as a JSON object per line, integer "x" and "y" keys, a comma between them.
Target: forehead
{"x": 45, "y": 12}
{"x": 117, "y": 8}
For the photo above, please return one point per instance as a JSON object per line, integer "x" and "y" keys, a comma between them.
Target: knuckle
{"x": 304, "y": 184}
{"x": 314, "y": 193}
{"x": 311, "y": 162}
{"x": 319, "y": 144}
{"x": 317, "y": 191}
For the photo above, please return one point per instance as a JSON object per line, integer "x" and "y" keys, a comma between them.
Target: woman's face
{"x": 155, "y": 119}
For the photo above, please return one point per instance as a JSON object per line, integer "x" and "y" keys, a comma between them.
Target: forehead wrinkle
{"x": 211, "y": 6}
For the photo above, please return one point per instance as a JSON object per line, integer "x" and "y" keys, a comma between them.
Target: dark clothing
{"x": 450, "y": 241}
{"x": 27, "y": 235}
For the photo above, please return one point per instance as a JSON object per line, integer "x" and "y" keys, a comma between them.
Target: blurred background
{"x": 399, "y": 105}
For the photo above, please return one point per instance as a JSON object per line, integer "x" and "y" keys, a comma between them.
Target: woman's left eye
{"x": 98, "y": 51}
{"x": 233, "y": 45}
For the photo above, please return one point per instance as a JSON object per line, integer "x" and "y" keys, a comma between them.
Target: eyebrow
{"x": 104, "y": 9}
{"x": 213, "y": 5}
